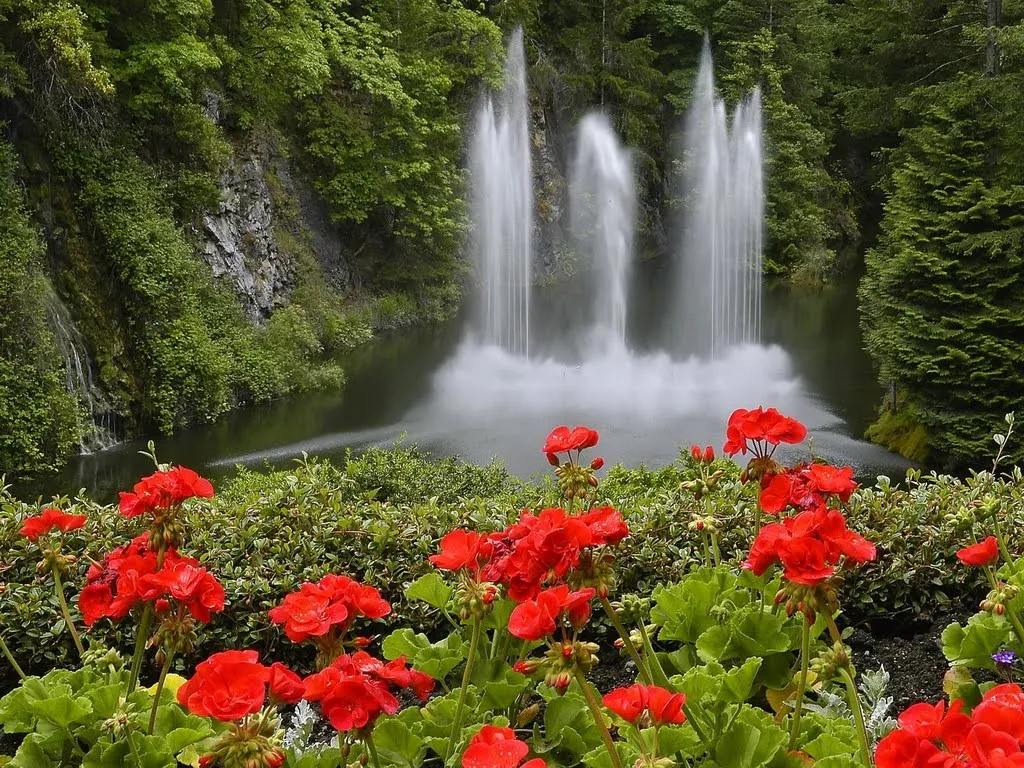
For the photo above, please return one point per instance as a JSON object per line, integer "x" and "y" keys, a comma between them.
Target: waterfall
{"x": 721, "y": 246}
{"x": 502, "y": 192}
{"x": 98, "y": 431}
{"x": 602, "y": 203}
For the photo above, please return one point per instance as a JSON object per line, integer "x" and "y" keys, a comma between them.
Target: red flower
{"x": 695, "y": 453}
{"x": 563, "y": 440}
{"x": 983, "y": 553}
{"x": 775, "y": 495}
{"x": 597, "y": 463}
{"x": 606, "y": 525}
{"x": 662, "y": 706}
{"x": 459, "y": 549}
{"x": 764, "y": 428}
{"x": 809, "y": 546}
{"x": 164, "y": 489}
{"x": 496, "y": 747}
{"x": 355, "y": 689}
{"x": 334, "y": 601}
{"x": 192, "y": 585}
{"x": 227, "y": 686}
{"x": 50, "y": 519}
{"x": 121, "y": 581}
{"x": 308, "y": 613}
{"x": 1002, "y": 708}
{"x": 824, "y": 478}
{"x": 535, "y": 619}
{"x": 286, "y": 687}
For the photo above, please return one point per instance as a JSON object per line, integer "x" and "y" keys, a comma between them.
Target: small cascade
{"x": 721, "y": 247}
{"x": 98, "y": 432}
{"x": 602, "y": 202}
{"x": 502, "y": 191}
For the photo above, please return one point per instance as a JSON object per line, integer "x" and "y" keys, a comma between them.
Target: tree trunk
{"x": 995, "y": 12}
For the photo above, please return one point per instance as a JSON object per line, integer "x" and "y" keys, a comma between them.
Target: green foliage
{"x": 942, "y": 313}
{"x": 66, "y": 713}
{"x": 39, "y": 421}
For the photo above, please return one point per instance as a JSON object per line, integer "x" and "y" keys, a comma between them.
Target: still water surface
{"x": 431, "y": 387}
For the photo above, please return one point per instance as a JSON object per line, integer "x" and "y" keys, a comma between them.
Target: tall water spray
{"x": 602, "y": 202}
{"x": 502, "y": 190}
{"x": 720, "y": 296}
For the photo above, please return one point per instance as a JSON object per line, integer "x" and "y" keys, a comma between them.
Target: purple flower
{"x": 1004, "y": 658}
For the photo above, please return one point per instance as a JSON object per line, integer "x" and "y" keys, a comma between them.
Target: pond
{"x": 434, "y": 388}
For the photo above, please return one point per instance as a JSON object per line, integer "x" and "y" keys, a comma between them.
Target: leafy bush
{"x": 380, "y": 516}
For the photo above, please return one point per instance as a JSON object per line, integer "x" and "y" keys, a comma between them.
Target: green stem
{"x": 1001, "y": 540}
{"x": 696, "y": 726}
{"x": 714, "y": 549}
{"x": 457, "y": 722}
{"x": 373, "y": 750}
{"x": 707, "y": 549}
{"x": 140, "y": 648}
{"x": 858, "y": 714}
{"x": 59, "y": 587}
{"x": 133, "y": 748}
{"x": 159, "y": 690}
{"x": 595, "y": 710}
{"x": 654, "y": 665}
{"x": 10, "y": 659}
{"x": 801, "y": 686}
{"x": 757, "y": 518}
{"x": 627, "y": 643}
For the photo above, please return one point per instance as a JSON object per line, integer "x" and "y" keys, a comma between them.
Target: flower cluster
{"x": 565, "y": 440}
{"x": 324, "y": 611}
{"x": 164, "y": 489}
{"x": 809, "y": 546}
{"x": 805, "y": 486}
{"x": 49, "y": 520}
{"x": 645, "y": 705}
{"x": 536, "y": 619}
{"x": 356, "y": 689}
{"x": 760, "y": 431}
{"x": 991, "y": 736}
{"x": 496, "y": 747}
{"x": 133, "y": 574}
{"x": 983, "y": 553}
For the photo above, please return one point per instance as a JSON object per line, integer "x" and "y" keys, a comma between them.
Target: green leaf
{"x": 32, "y": 754}
{"x": 750, "y": 742}
{"x": 974, "y": 644}
{"x": 431, "y": 589}
{"x": 435, "y": 659}
{"x": 737, "y": 684}
{"x": 397, "y": 744}
{"x": 62, "y": 710}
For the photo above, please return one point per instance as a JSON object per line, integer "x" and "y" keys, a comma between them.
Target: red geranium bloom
{"x": 50, "y": 519}
{"x": 121, "y": 581}
{"x": 803, "y": 560}
{"x": 824, "y": 478}
{"x": 606, "y": 525}
{"x": 1002, "y": 708}
{"x": 535, "y": 619}
{"x": 662, "y": 706}
{"x": 227, "y": 686}
{"x": 982, "y": 553}
{"x": 286, "y": 687}
{"x": 496, "y": 747}
{"x": 308, "y": 613}
{"x": 459, "y": 549}
{"x": 163, "y": 489}
{"x": 763, "y": 428}
{"x": 563, "y": 440}
{"x": 192, "y": 585}
{"x": 775, "y": 495}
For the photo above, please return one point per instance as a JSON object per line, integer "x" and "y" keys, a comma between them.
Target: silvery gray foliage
{"x": 874, "y": 702}
{"x": 296, "y": 736}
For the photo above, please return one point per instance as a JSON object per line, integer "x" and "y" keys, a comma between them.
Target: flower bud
{"x": 709, "y": 454}
{"x": 553, "y": 459}
{"x": 695, "y": 453}
{"x": 597, "y": 463}
{"x": 527, "y": 716}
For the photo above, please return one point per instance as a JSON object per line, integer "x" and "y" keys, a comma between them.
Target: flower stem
{"x": 59, "y": 588}
{"x": 140, "y": 648}
{"x": 595, "y": 710}
{"x": 372, "y": 748}
{"x": 858, "y": 713}
{"x": 159, "y": 690}
{"x": 10, "y": 659}
{"x": 654, "y": 665}
{"x": 626, "y": 642}
{"x": 470, "y": 658}
{"x": 696, "y": 726}
{"x": 801, "y": 686}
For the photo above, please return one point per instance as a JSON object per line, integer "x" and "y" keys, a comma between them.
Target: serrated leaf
{"x": 431, "y": 589}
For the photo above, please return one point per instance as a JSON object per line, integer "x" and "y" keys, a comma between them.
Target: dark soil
{"x": 910, "y": 649}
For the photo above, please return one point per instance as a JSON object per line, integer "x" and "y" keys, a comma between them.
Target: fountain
{"x": 602, "y": 204}
{"x": 502, "y": 191}
{"x": 723, "y": 187}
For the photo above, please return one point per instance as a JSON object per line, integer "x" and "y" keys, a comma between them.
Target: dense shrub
{"x": 381, "y": 515}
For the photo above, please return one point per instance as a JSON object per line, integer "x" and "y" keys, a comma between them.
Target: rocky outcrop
{"x": 238, "y": 240}
{"x": 549, "y": 191}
